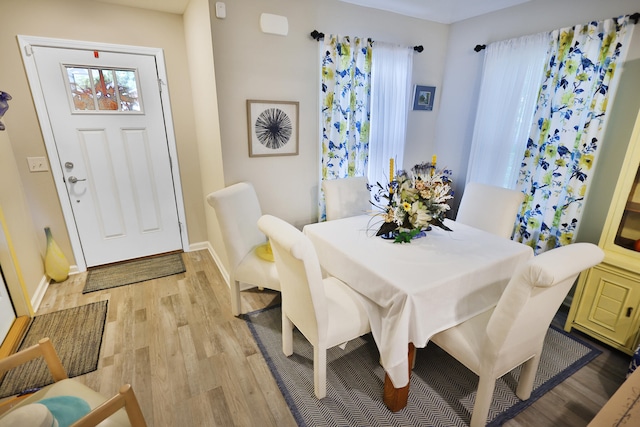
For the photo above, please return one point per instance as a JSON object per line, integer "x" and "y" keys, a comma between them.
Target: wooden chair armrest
{"x": 45, "y": 349}
{"x": 125, "y": 398}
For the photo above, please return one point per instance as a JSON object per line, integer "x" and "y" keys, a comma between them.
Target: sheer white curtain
{"x": 512, "y": 74}
{"x": 391, "y": 67}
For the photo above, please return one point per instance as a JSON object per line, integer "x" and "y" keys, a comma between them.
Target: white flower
{"x": 416, "y": 199}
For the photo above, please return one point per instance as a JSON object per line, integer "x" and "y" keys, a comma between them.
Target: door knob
{"x": 73, "y": 179}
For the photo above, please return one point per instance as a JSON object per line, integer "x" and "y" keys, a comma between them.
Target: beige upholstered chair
{"x": 346, "y": 197}
{"x": 27, "y": 411}
{"x": 512, "y": 334}
{"x": 325, "y": 310}
{"x": 238, "y": 210}
{"x": 489, "y": 208}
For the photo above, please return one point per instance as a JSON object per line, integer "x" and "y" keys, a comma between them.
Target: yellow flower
{"x": 550, "y": 150}
{"x": 571, "y": 66}
{"x": 566, "y": 238}
{"x": 389, "y": 216}
{"x": 406, "y": 206}
{"x": 364, "y": 131}
{"x": 327, "y": 72}
{"x": 583, "y": 190}
{"x": 568, "y": 98}
{"x": 328, "y": 100}
{"x": 586, "y": 161}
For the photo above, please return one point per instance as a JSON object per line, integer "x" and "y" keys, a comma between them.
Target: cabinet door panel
{"x": 609, "y": 304}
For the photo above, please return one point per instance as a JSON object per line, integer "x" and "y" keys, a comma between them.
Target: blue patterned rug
{"x": 442, "y": 390}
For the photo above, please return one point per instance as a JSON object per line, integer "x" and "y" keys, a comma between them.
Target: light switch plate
{"x": 38, "y": 164}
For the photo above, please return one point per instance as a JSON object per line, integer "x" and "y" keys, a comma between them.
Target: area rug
{"x": 442, "y": 390}
{"x": 127, "y": 273}
{"x": 76, "y": 334}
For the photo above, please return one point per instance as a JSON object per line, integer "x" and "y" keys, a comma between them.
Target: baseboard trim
{"x": 206, "y": 245}
{"x": 42, "y": 287}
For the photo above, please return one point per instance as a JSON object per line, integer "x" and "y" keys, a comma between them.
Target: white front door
{"x": 106, "y": 115}
{"x": 7, "y": 314}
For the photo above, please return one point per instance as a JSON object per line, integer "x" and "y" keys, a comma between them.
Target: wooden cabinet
{"x": 606, "y": 303}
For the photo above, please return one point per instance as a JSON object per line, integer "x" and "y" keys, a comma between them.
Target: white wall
{"x": 253, "y": 65}
{"x": 463, "y": 67}
{"x": 76, "y": 20}
{"x": 197, "y": 28}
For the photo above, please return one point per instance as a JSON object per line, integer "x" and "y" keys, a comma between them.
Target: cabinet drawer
{"x": 609, "y": 305}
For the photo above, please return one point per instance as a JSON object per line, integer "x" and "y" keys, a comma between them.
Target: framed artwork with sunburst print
{"x": 273, "y": 128}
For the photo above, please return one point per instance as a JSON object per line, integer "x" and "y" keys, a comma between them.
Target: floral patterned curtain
{"x": 345, "y": 103}
{"x": 567, "y": 130}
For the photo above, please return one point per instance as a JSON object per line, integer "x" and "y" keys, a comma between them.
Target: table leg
{"x": 396, "y": 398}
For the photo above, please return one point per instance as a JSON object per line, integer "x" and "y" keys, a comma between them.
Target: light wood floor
{"x": 192, "y": 363}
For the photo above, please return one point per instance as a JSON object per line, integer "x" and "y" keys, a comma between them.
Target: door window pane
{"x": 127, "y": 90}
{"x": 80, "y": 84}
{"x": 103, "y": 89}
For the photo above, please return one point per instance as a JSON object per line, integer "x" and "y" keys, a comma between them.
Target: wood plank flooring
{"x": 192, "y": 363}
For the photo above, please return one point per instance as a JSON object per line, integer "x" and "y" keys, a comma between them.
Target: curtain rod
{"x": 635, "y": 17}
{"x": 317, "y": 36}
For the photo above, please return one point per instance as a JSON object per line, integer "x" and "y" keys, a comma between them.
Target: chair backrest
{"x": 489, "y": 208}
{"x": 533, "y": 296}
{"x": 346, "y": 197}
{"x": 238, "y": 210}
{"x": 303, "y": 298}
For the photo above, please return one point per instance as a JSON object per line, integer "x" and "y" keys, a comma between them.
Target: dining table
{"x": 415, "y": 290}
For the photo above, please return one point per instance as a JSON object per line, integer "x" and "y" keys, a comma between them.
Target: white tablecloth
{"x": 416, "y": 290}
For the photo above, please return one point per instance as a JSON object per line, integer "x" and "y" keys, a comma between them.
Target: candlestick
{"x": 391, "y": 169}
{"x": 390, "y": 175}
{"x": 433, "y": 164}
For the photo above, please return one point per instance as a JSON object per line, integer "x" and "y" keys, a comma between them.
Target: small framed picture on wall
{"x": 273, "y": 128}
{"x": 423, "y": 97}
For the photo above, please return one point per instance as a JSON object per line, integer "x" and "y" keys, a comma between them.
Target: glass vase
{"x": 56, "y": 265}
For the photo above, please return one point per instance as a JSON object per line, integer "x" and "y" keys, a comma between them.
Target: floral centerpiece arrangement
{"x": 413, "y": 201}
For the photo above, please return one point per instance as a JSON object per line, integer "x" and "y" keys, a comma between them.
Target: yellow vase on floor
{"x": 56, "y": 265}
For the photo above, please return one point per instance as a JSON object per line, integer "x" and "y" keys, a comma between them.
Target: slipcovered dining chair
{"x": 66, "y": 400}
{"x": 493, "y": 343}
{"x": 490, "y": 208}
{"x": 325, "y": 310}
{"x": 346, "y": 197}
{"x": 238, "y": 210}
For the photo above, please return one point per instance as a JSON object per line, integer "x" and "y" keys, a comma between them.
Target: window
{"x": 99, "y": 90}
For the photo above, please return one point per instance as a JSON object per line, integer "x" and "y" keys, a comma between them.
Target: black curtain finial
{"x": 479, "y": 47}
